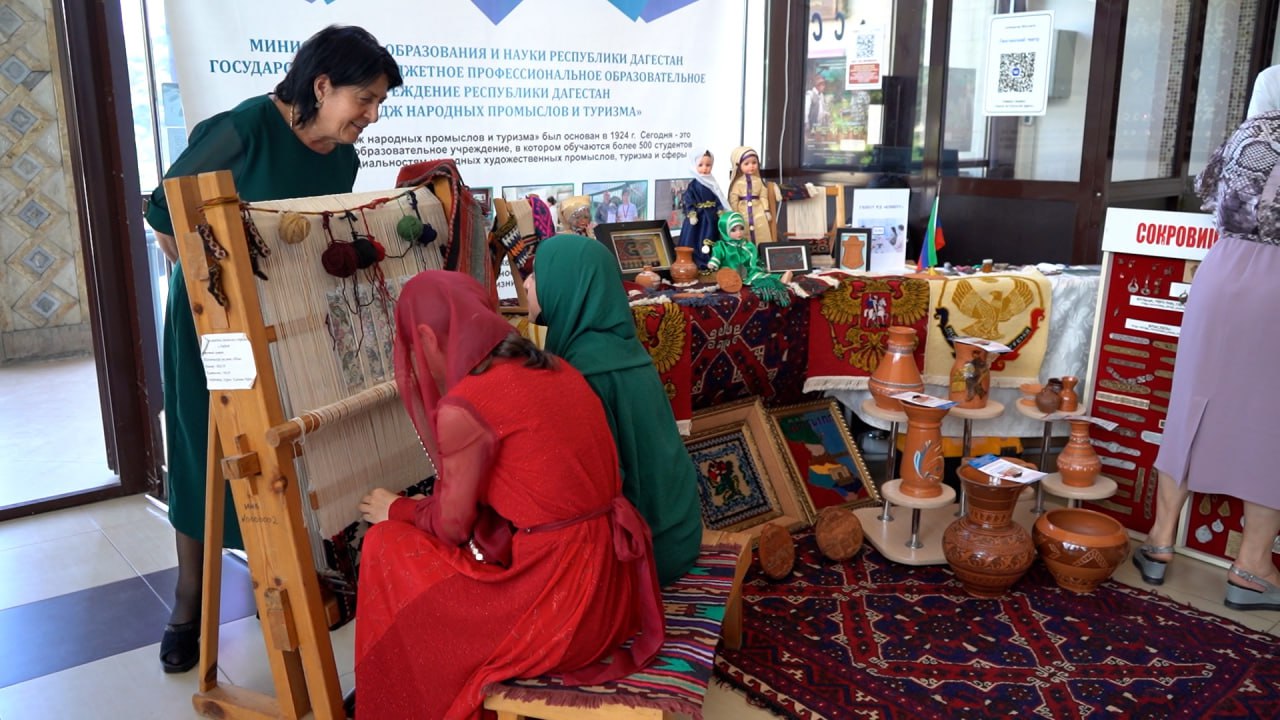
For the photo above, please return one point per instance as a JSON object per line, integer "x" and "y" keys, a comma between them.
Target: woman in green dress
{"x": 576, "y": 291}
{"x": 295, "y": 142}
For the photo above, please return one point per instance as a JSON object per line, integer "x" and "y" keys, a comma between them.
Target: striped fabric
{"x": 677, "y": 679}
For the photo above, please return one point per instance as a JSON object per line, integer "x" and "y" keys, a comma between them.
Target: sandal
{"x": 1152, "y": 570}
{"x": 180, "y": 647}
{"x": 1240, "y": 597}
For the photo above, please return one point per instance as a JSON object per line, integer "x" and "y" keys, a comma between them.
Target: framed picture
{"x": 823, "y": 455}
{"x": 852, "y": 248}
{"x": 484, "y": 198}
{"x": 637, "y": 244}
{"x": 744, "y": 480}
{"x": 780, "y": 257}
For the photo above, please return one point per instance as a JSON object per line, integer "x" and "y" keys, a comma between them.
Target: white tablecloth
{"x": 1075, "y": 298}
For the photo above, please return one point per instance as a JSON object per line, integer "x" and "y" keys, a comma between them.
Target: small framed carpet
{"x": 743, "y": 477}
{"x": 823, "y": 455}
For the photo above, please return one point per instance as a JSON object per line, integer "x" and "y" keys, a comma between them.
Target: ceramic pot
{"x": 1070, "y": 398}
{"x": 1082, "y": 548}
{"x": 970, "y": 376}
{"x": 647, "y": 277}
{"x": 1078, "y": 463}
{"x": 922, "y": 460}
{"x": 684, "y": 269}
{"x": 986, "y": 550}
{"x": 897, "y": 371}
{"x": 1049, "y": 399}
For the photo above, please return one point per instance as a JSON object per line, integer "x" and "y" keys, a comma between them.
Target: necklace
{"x": 1138, "y": 380}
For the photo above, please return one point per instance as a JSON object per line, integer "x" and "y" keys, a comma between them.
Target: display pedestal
{"x": 1027, "y": 407}
{"x": 906, "y": 542}
{"x": 992, "y": 411}
{"x": 1103, "y": 487}
{"x": 894, "y": 418}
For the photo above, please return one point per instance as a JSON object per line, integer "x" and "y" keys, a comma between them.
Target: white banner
{"x": 544, "y": 96}
{"x": 1182, "y": 235}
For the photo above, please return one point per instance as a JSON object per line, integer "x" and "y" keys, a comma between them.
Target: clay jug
{"x": 986, "y": 549}
{"x": 922, "y": 460}
{"x": 1078, "y": 463}
{"x": 1070, "y": 398}
{"x": 647, "y": 277}
{"x": 1081, "y": 548}
{"x": 1049, "y": 399}
{"x": 970, "y": 376}
{"x": 897, "y": 371}
{"x": 684, "y": 269}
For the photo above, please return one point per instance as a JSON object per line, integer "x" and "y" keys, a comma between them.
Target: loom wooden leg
{"x": 211, "y": 593}
{"x": 731, "y": 626}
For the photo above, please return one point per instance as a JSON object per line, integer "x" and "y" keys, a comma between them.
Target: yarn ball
{"x": 839, "y": 533}
{"x": 366, "y": 253}
{"x": 294, "y": 228}
{"x": 378, "y": 249}
{"x": 409, "y": 228}
{"x": 428, "y": 235}
{"x": 340, "y": 260}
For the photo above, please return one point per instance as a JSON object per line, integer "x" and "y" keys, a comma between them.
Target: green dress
{"x": 268, "y": 162}
{"x": 589, "y": 324}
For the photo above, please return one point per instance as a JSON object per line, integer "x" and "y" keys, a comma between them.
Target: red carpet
{"x": 872, "y": 639}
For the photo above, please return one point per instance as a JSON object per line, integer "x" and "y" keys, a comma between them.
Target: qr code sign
{"x": 1017, "y": 71}
{"x": 864, "y": 46}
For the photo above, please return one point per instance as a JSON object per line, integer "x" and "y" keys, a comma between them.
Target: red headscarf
{"x": 467, "y": 329}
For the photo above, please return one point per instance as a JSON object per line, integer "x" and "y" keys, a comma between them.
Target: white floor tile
{"x": 147, "y": 546}
{"x": 56, "y": 567}
{"x": 242, "y": 654}
{"x": 49, "y": 526}
{"x": 126, "y": 511}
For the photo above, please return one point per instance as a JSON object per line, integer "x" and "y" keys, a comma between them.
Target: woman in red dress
{"x": 526, "y": 559}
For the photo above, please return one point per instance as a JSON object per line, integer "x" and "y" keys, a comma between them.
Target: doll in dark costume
{"x": 703, "y": 201}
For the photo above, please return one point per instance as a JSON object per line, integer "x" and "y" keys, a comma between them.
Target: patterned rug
{"x": 873, "y": 639}
{"x": 677, "y": 679}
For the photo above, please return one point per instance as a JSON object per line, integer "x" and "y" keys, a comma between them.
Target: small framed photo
{"x": 781, "y": 257}
{"x": 637, "y": 244}
{"x": 744, "y": 480}
{"x": 484, "y": 198}
{"x": 852, "y": 247}
{"x": 823, "y": 455}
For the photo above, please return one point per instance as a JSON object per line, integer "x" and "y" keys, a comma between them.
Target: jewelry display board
{"x": 1149, "y": 259}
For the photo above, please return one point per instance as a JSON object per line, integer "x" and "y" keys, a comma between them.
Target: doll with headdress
{"x": 575, "y": 215}
{"x": 751, "y": 197}
{"x": 703, "y": 201}
{"x": 734, "y": 250}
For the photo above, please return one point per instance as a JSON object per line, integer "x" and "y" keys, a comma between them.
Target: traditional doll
{"x": 735, "y": 251}
{"x": 703, "y": 201}
{"x": 575, "y": 215}
{"x": 751, "y": 196}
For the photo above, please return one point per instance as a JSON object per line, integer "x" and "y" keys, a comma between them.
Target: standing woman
{"x": 295, "y": 142}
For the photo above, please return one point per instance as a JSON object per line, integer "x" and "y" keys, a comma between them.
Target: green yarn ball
{"x": 409, "y": 228}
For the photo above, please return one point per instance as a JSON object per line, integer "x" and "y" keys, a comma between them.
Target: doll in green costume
{"x": 737, "y": 252}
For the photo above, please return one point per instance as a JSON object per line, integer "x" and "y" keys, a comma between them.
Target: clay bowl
{"x": 1082, "y": 548}
{"x": 1030, "y": 389}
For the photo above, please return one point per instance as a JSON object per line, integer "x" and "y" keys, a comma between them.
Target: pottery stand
{"x": 992, "y": 410}
{"x": 1102, "y": 488}
{"x": 894, "y": 418}
{"x": 1027, "y": 407}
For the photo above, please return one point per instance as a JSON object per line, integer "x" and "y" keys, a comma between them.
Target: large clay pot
{"x": 1082, "y": 548}
{"x": 970, "y": 376}
{"x": 897, "y": 371}
{"x": 987, "y": 550}
{"x": 1070, "y": 398}
{"x": 922, "y": 459}
{"x": 1078, "y": 463}
{"x": 684, "y": 269}
{"x": 1049, "y": 399}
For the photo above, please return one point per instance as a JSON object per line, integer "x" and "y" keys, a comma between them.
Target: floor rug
{"x": 874, "y": 639}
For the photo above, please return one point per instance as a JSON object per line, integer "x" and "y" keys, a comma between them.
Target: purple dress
{"x": 1221, "y": 433}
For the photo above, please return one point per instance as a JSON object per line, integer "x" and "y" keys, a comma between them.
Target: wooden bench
{"x": 702, "y": 608}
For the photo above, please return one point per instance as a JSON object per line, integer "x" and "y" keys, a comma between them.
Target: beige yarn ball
{"x": 839, "y": 533}
{"x": 294, "y": 228}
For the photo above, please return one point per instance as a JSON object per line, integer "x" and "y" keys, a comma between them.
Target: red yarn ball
{"x": 340, "y": 260}
{"x": 377, "y": 246}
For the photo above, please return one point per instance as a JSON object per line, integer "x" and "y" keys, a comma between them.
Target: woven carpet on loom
{"x": 874, "y": 639}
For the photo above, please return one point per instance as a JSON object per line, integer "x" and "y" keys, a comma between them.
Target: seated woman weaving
{"x": 527, "y": 559}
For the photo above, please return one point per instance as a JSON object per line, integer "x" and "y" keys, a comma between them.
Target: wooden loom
{"x": 249, "y": 446}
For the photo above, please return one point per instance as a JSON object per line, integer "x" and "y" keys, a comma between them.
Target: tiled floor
{"x": 51, "y": 441}
{"x": 84, "y": 594}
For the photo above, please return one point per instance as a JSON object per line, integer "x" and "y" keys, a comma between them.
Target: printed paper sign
{"x": 985, "y": 344}
{"x": 228, "y": 361}
{"x": 1151, "y": 327}
{"x": 922, "y": 399}
{"x": 1001, "y": 469}
{"x": 1156, "y": 303}
{"x": 1018, "y": 64}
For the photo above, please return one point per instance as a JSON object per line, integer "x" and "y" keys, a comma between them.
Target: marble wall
{"x": 43, "y": 300}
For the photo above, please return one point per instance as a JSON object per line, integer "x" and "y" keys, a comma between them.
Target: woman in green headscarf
{"x": 576, "y": 291}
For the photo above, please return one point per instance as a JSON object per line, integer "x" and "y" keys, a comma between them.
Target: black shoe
{"x": 180, "y": 647}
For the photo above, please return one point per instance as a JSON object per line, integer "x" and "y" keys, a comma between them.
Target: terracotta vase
{"x": 922, "y": 459}
{"x": 970, "y": 376}
{"x": 1082, "y": 548}
{"x": 1070, "y": 398}
{"x": 647, "y": 277}
{"x": 1078, "y": 463}
{"x": 684, "y": 269}
{"x": 987, "y": 550}
{"x": 897, "y": 371}
{"x": 1049, "y": 399}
